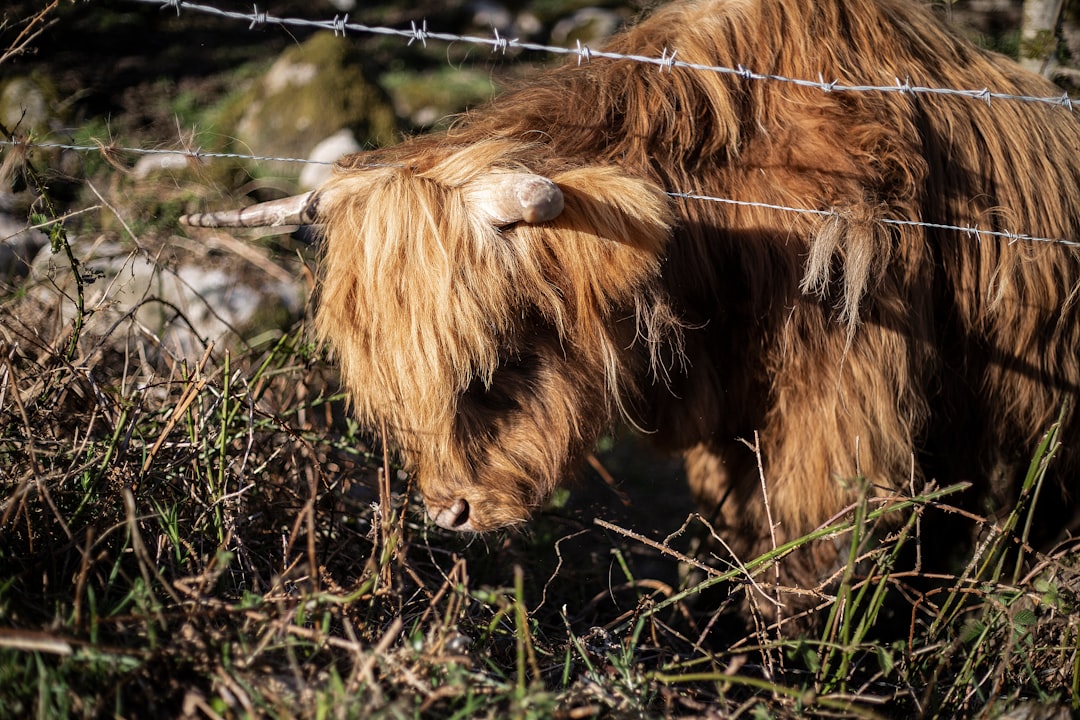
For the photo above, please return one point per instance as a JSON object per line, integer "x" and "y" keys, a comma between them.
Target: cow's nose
{"x": 455, "y": 517}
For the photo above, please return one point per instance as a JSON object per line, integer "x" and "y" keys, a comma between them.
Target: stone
{"x": 310, "y": 92}
{"x": 322, "y": 157}
{"x": 19, "y": 245}
{"x": 184, "y": 300}
{"x": 30, "y": 105}
{"x": 154, "y": 163}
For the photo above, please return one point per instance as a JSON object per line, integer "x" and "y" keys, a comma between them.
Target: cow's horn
{"x": 508, "y": 198}
{"x": 295, "y": 210}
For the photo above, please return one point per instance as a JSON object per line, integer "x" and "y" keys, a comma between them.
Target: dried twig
{"x": 34, "y": 26}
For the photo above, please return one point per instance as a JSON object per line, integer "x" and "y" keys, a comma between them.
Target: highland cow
{"x": 500, "y": 293}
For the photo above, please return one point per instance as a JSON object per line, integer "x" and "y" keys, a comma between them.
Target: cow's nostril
{"x": 455, "y": 517}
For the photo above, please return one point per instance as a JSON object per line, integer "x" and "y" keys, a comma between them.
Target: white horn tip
{"x": 541, "y": 200}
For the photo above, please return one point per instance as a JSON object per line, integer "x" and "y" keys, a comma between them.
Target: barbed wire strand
{"x": 194, "y": 154}
{"x": 668, "y": 59}
{"x": 199, "y": 155}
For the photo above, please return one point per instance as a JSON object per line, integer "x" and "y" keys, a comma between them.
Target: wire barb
{"x": 419, "y": 33}
{"x": 258, "y": 19}
{"x": 667, "y": 61}
{"x": 500, "y": 43}
{"x": 339, "y": 25}
{"x": 583, "y": 53}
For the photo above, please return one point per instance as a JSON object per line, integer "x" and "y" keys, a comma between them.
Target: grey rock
{"x": 343, "y": 142}
{"x": 155, "y": 163}
{"x": 18, "y": 247}
{"x": 310, "y": 92}
{"x": 589, "y": 26}
{"x": 31, "y": 104}
{"x": 183, "y": 306}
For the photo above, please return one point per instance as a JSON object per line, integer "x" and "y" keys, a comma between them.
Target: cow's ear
{"x": 603, "y": 252}
{"x": 607, "y": 202}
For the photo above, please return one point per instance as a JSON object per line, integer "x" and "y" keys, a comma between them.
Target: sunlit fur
{"x": 852, "y": 347}
{"x": 493, "y": 356}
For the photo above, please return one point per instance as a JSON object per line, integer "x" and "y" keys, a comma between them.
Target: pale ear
{"x": 506, "y": 198}
{"x": 604, "y": 251}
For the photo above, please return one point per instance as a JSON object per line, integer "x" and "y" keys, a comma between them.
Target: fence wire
{"x": 667, "y": 61}
{"x": 199, "y": 155}
{"x": 192, "y": 154}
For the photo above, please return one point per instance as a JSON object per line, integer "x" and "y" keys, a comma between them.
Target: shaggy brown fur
{"x": 497, "y": 355}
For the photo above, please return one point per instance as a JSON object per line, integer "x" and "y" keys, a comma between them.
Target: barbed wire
{"x": 196, "y": 154}
{"x": 668, "y": 59}
{"x": 972, "y": 230}
{"x": 193, "y": 154}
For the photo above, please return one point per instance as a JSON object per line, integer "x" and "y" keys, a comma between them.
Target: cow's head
{"x": 493, "y": 320}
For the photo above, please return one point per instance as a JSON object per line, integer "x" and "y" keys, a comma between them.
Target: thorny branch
{"x": 34, "y": 26}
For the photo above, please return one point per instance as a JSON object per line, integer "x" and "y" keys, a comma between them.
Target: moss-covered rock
{"x": 429, "y": 99}
{"x": 309, "y": 93}
{"x": 31, "y": 106}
